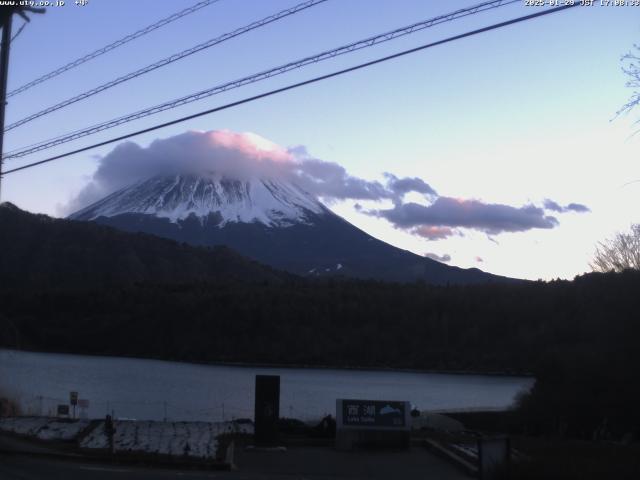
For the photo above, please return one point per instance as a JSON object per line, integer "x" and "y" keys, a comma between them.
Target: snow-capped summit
{"x": 176, "y": 197}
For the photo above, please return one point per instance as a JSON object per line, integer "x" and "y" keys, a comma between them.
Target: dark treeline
{"x": 580, "y": 338}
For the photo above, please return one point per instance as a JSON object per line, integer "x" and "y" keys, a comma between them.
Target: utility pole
{"x": 6, "y": 17}
{"x": 4, "y": 70}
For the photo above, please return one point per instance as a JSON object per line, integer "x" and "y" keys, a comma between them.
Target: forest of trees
{"x": 579, "y": 338}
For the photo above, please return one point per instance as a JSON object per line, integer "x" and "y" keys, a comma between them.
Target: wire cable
{"x": 299, "y": 84}
{"x": 113, "y": 46}
{"x": 18, "y": 32}
{"x": 169, "y": 60}
{"x": 366, "y": 43}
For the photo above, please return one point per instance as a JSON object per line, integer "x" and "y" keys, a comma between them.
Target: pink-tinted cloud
{"x": 225, "y": 153}
{"x": 432, "y": 232}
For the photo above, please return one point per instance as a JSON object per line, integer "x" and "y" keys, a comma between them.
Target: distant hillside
{"x": 42, "y": 252}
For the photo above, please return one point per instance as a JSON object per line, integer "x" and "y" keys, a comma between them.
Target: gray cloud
{"x": 553, "y": 206}
{"x": 572, "y": 207}
{"x": 439, "y": 258}
{"x": 577, "y": 207}
{"x": 331, "y": 181}
{"x": 491, "y": 239}
{"x": 492, "y": 218}
{"x": 402, "y": 186}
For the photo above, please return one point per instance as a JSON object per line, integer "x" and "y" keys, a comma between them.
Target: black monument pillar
{"x": 267, "y": 409}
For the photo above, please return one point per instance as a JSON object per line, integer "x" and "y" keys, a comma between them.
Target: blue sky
{"x": 511, "y": 117}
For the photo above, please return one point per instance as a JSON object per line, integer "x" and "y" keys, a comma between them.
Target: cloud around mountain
{"x": 246, "y": 155}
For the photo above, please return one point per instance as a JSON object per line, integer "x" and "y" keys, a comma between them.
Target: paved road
{"x": 297, "y": 463}
{"x": 327, "y": 463}
{"x": 9, "y": 443}
{"x": 22, "y": 467}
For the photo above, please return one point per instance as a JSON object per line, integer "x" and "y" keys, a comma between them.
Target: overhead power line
{"x": 19, "y": 31}
{"x": 367, "y": 42}
{"x": 168, "y": 60}
{"x": 297, "y": 85}
{"x": 113, "y": 46}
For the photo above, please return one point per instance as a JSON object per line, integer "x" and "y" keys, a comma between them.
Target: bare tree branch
{"x": 622, "y": 252}
{"x": 631, "y": 68}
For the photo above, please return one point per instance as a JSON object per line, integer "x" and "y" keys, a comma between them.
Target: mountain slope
{"x": 39, "y": 251}
{"x": 273, "y": 222}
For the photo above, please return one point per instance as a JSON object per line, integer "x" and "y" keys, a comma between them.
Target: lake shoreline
{"x": 151, "y": 389}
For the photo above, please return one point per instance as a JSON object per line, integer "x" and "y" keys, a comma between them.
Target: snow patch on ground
{"x": 44, "y": 428}
{"x": 436, "y": 421}
{"x": 195, "y": 439}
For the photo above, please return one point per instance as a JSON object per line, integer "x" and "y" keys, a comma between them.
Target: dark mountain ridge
{"x": 43, "y": 252}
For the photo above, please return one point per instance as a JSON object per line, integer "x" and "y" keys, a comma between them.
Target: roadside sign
{"x": 73, "y": 398}
{"x": 63, "y": 410}
{"x": 372, "y": 423}
{"x": 373, "y": 413}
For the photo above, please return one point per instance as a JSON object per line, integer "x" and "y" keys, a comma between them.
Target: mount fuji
{"x": 270, "y": 220}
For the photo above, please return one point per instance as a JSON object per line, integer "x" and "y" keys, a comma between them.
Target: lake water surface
{"x": 154, "y": 389}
